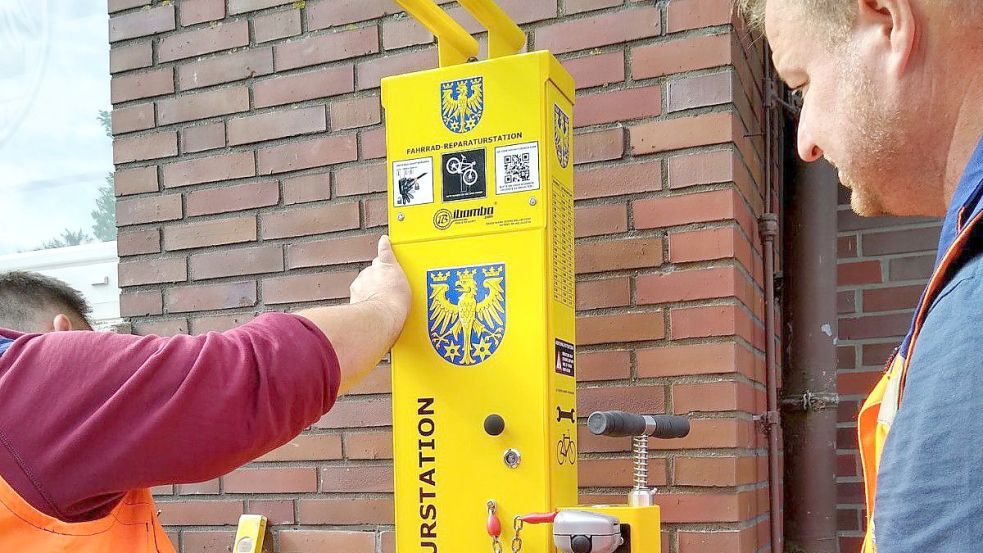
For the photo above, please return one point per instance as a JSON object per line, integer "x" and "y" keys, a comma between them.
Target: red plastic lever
{"x": 538, "y": 518}
{"x": 494, "y": 525}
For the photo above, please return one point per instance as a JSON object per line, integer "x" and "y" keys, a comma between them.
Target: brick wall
{"x": 249, "y": 146}
{"x": 884, "y": 262}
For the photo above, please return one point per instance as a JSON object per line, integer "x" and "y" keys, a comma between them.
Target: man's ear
{"x": 61, "y": 323}
{"x": 894, "y": 25}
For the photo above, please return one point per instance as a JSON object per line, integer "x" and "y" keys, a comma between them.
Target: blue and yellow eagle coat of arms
{"x": 466, "y": 312}
{"x": 561, "y": 135}
{"x": 462, "y": 103}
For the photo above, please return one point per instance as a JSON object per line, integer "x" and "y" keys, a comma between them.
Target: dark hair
{"x": 28, "y": 299}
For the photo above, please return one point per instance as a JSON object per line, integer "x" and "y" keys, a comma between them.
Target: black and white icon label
{"x": 413, "y": 182}
{"x": 563, "y": 358}
{"x": 464, "y": 175}
{"x": 517, "y": 168}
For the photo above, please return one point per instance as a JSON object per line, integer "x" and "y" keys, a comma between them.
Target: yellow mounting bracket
{"x": 454, "y": 44}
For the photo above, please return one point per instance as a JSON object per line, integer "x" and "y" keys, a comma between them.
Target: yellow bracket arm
{"x": 454, "y": 44}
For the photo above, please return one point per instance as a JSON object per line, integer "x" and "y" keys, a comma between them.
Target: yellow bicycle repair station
{"x": 480, "y": 168}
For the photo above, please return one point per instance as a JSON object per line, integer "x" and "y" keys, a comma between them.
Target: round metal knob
{"x": 494, "y": 425}
{"x": 581, "y": 544}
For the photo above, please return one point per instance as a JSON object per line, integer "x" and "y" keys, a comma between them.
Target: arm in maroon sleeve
{"x": 87, "y": 416}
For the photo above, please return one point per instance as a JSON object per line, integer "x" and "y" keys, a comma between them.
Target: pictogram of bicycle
{"x": 566, "y": 450}
{"x": 461, "y": 166}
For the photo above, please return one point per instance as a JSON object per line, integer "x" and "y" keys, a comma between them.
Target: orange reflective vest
{"x": 132, "y": 527}
{"x": 878, "y": 412}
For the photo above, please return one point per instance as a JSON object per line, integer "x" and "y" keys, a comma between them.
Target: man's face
{"x": 851, "y": 111}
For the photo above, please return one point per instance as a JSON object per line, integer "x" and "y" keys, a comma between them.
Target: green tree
{"x": 104, "y": 215}
{"x": 68, "y": 238}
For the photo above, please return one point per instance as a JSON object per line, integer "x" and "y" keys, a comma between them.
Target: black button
{"x": 494, "y": 425}
{"x": 581, "y": 544}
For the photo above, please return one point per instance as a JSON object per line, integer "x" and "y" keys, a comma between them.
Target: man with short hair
{"x": 89, "y": 421}
{"x": 892, "y": 96}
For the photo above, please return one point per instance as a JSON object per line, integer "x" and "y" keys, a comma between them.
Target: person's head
{"x": 31, "y": 302}
{"x": 885, "y": 85}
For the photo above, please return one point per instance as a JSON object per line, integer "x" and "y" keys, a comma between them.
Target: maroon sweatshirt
{"x": 87, "y": 416}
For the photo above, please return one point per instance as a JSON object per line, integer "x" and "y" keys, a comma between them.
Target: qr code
{"x": 517, "y": 168}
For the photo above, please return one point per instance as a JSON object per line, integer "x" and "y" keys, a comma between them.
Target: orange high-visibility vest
{"x": 878, "y": 412}
{"x": 132, "y": 527}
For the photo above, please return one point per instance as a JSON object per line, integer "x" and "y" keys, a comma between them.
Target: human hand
{"x": 384, "y": 284}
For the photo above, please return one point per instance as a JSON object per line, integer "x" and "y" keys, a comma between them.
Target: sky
{"x": 54, "y": 153}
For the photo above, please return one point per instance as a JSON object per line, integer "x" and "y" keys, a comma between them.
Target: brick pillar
{"x": 249, "y": 150}
{"x": 884, "y": 263}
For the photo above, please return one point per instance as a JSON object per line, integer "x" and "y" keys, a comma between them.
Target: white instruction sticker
{"x": 517, "y": 168}
{"x": 413, "y": 182}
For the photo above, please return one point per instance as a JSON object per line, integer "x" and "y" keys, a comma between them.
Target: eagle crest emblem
{"x": 466, "y": 312}
{"x": 462, "y": 103}
{"x": 561, "y": 135}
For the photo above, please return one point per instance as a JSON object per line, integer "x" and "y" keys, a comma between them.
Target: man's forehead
{"x": 786, "y": 35}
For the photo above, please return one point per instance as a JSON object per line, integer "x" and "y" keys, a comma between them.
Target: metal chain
{"x": 496, "y": 542}
{"x": 517, "y": 540}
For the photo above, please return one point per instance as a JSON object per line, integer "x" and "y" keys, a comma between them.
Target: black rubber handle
{"x": 621, "y": 423}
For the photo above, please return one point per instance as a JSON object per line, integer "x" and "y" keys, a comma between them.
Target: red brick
{"x": 618, "y": 254}
{"x": 141, "y": 85}
{"x": 860, "y": 272}
{"x": 334, "y": 13}
{"x": 712, "y": 396}
{"x": 603, "y": 365}
{"x": 307, "y": 447}
{"x": 617, "y": 180}
{"x": 635, "y": 399}
{"x": 308, "y": 188}
{"x": 133, "y": 118}
{"x": 310, "y": 541}
{"x": 685, "y": 132}
{"x": 187, "y": 44}
{"x": 716, "y": 320}
{"x": 334, "y": 251}
{"x": 618, "y": 105}
{"x": 315, "y": 152}
{"x": 276, "y": 511}
{"x": 694, "y": 14}
{"x": 891, "y": 299}
{"x": 701, "y": 168}
{"x": 318, "y": 49}
{"x": 148, "y": 146}
{"x": 138, "y": 242}
{"x": 857, "y": 383}
{"x": 344, "y": 512}
{"x": 214, "y": 232}
{"x": 670, "y": 211}
{"x": 276, "y": 26}
{"x": 140, "y": 304}
{"x": 677, "y": 56}
{"x": 901, "y": 241}
{"x": 579, "y": 6}
{"x": 600, "y": 219}
{"x": 358, "y": 413}
{"x": 226, "y": 68}
{"x": 203, "y": 137}
{"x": 135, "y": 273}
{"x": 303, "y": 221}
{"x": 200, "y": 11}
{"x": 272, "y": 480}
{"x": 209, "y": 169}
{"x": 705, "y": 245}
{"x": 598, "y": 146}
{"x": 719, "y": 541}
{"x": 599, "y": 294}
{"x": 248, "y": 261}
{"x": 243, "y": 6}
{"x": 141, "y": 23}
{"x": 686, "y": 360}
{"x": 874, "y": 326}
{"x": 211, "y": 487}
{"x": 361, "y": 478}
{"x": 701, "y": 91}
{"x": 373, "y": 143}
{"x": 622, "y": 327}
{"x": 135, "y": 181}
{"x": 135, "y": 55}
{"x": 371, "y": 72}
{"x": 161, "y": 327}
{"x": 378, "y": 381}
{"x": 613, "y": 473}
{"x": 369, "y": 445}
{"x": 355, "y": 112}
{"x": 120, "y": 5}
{"x": 846, "y": 301}
{"x": 910, "y": 268}
{"x": 148, "y": 210}
{"x": 277, "y": 124}
{"x": 846, "y": 246}
{"x": 696, "y": 284}
{"x": 298, "y": 87}
{"x": 597, "y": 70}
{"x": 220, "y": 323}
{"x": 376, "y": 212}
{"x": 363, "y": 178}
{"x": 406, "y": 31}
{"x": 202, "y": 105}
{"x": 308, "y": 287}
{"x": 207, "y": 541}
{"x": 184, "y": 299}
{"x": 877, "y": 354}
{"x": 198, "y": 513}
{"x": 600, "y": 30}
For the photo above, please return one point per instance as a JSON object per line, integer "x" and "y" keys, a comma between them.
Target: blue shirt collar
{"x": 4, "y": 344}
{"x": 965, "y": 202}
